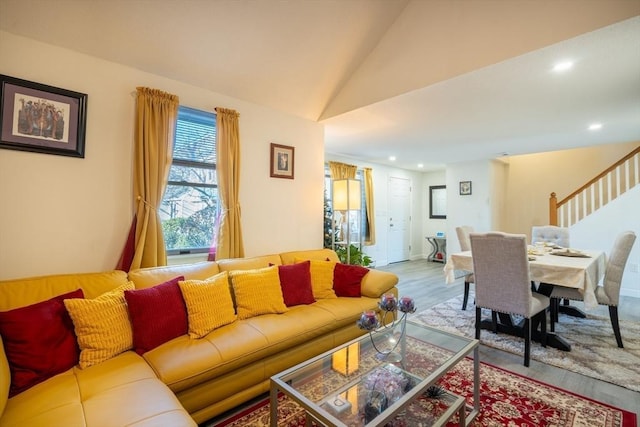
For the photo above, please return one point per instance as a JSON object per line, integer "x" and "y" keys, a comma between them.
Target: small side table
{"x": 439, "y": 249}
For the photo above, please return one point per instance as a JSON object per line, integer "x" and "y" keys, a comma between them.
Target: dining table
{"x": 572, "y": 268}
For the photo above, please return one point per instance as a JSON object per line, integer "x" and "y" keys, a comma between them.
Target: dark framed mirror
{"x": 438, "y": 201}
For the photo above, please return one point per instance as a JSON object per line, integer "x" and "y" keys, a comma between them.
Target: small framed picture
{"x": 42, "y": 119}
{"x": 465, "y": 188}
{"x": 282, "y": 161}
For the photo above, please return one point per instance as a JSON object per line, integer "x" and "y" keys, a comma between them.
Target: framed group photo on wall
{"x": 282, "y": 161}
{"x": 42, "y": 119}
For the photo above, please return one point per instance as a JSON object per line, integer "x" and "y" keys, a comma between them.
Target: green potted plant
{"x": 356, "y": 256}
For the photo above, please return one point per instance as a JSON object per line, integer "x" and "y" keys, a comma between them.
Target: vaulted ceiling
{"x": 427, "y": 81}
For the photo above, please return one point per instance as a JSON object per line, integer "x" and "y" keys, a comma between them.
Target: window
{"x": 190, "y": 205}
{"x": 328, "y": 206}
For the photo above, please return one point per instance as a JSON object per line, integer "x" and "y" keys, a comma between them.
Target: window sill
{"x": 186, "y": 258}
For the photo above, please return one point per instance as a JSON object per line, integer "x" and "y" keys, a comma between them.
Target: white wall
{"x": 60, "y": 214}
{"x": 599, "y": 230}
{"x": 475, "y": 209}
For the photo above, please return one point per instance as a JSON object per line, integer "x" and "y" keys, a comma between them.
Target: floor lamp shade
{"x": 346, "y": 194}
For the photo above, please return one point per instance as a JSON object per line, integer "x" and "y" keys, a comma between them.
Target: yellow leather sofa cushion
{"x": 257, "y": 292}
{"x": 57, "y": 398}
{"x": 151, "y": 276}
{"x": 124, "y": 391}
{"x": 345, "y": 311}
{"x": 22, "y": 292}
{"x": 252, "y": 263}
{"x": 315, "y": 254}
{"x": 183, "y": 363}
{"x": 297, "y": 325}
{"x": 209, "y": 304}
{"x": 101, "y": 325}
{"x": 120, "y": 391}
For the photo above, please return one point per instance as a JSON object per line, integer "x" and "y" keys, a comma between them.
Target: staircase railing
{"x": 605, "y": 187}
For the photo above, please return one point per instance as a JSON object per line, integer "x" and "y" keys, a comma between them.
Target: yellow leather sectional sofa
{"x": 183, "y": 381}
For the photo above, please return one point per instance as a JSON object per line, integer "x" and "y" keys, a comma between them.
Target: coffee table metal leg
{"x": 461, "y": 418}
{"x": 476, "y": 386}
{"x": 273, "y": 408}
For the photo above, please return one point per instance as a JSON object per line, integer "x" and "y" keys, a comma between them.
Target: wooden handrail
{"x": 603, "y": 173}
{"x": 557, "y": 208}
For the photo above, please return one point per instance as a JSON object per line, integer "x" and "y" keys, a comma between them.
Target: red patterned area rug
{"x": 506, "y": 399}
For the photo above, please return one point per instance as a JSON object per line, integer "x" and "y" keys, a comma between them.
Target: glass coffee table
{"x": 373, "y": 380}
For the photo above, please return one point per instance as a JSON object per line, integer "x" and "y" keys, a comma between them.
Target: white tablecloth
{"x": 572, "y": 272}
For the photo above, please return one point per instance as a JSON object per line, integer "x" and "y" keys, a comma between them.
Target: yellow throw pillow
{"x": 321, "y": 278}
{"x": 257, "y": 292}
{"x": 209, "y": 304}
{"x": 102, "y": 325}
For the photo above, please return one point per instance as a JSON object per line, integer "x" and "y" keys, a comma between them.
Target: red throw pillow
{"x": 295, "y": 281}
{"x": 39, "y": 341}
{"x": 347, "y": 278}
{"x": 158, "y": 314}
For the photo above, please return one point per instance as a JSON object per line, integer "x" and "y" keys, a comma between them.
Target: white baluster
{"x": 628, "y": 174}
{"x": 600, "y": 192}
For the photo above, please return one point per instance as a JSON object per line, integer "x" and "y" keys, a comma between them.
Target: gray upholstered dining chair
{"x": 550, "y": 234}
{"x": 607, "y": 293}
{"x": 503, "y": 284}
{"x": 465, "y": 245}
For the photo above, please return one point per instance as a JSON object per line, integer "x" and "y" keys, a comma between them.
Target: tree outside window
{"x": 190, "y": 205}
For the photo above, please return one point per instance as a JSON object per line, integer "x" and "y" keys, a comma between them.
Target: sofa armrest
{"x": 5, "y": 378}
{"x": 377, "y": 282}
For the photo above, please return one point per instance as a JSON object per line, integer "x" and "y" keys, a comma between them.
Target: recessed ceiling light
{"x": 595, "y": 126}
{"x": 562, "y": 66}
{"x": 392, "y": 158}
{"x": 420, "y": 165}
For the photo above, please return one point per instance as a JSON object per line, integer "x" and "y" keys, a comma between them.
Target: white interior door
{"x": 399, "y": 219}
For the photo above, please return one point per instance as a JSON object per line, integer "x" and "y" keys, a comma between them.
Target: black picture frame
{"x": 438, "y": 202}
{"x": 282, "y": 160}
{"x": 42, "y": 119}
{"x": 465, "y": 188}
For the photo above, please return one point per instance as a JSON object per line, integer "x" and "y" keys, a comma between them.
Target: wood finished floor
{"x": 424, "y": 281}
